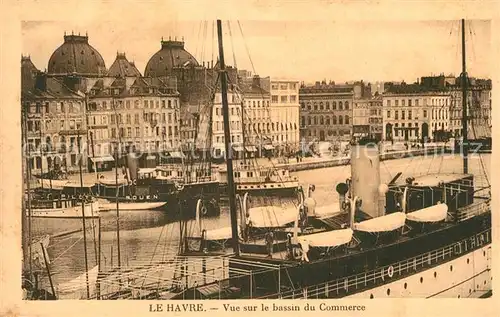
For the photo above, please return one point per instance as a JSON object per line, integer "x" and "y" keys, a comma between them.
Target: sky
{"x": 301, "y": 50}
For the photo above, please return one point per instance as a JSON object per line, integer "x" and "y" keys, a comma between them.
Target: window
{"x": 402, "y": 114}
{"x": 388, "y": 103}
{"x": 113, "y": 132}
{"x": 396, "y": 103}
{"x": 129, "y": 132}
{"x": 346, "y": 105}
{"x": 341, "y": 120}
{"x": 425, "y": 113}
{"x": 321, "y": 106}
{"x": 293, "y": 98}
{"x": 403, "y": 102}
{"x": 388, "y": 113}
{"x": 340, "y": 106}
{"x": 321, "y": 120}
{"x": 284, "y": 99}
{"x": 169, "y": 118}
{"x": 302, "y": 106}
{"x": 416, "y": 102}
{"x": 327, "y": 105}
{"x": 334, "y": 105}
{"x": 308, "y": 122}
{"x": 169, "y": 104}
{"x": 128, "y": 119}
{"x": 346, "y": 119}
{"x": 409, "y": 114}
{"x": 334, "y": 120}
{"x": 315, "y": 120}
{"x": 137, "y": 132}
{"x": 396, "y": 115}
{"x": 274, "y": 99}
{"x": 283, "y": 86}
{"x": 303, "y": 120}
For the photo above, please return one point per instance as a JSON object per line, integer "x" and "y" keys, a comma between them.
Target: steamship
{"x": 427, "y": 236}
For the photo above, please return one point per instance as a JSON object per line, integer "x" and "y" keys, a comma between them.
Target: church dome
{"x": 76, "y": 56}
{"x": 171, "y": 55}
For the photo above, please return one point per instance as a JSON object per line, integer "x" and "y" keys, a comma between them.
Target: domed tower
{"x": 171, "y": 55}
{"x": 76, "y": 56}
{"x": 121, "y": 67}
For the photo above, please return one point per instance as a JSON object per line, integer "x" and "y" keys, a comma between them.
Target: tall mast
{"x": 464, "y": 105}
{"x": 227, "y": 139}
{"x": 26, "y": 220}
{"x": 117, "y": 185}
{"x": 83, "y": 215}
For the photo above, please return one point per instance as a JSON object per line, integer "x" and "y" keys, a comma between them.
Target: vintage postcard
{"x": 301, "y": 157}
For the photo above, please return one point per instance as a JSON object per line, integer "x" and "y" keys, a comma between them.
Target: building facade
{"x": 361, "y": 117}
{"x": 376, "y": 117}
{"x": 413, "y": 116}
{"x": 326, "y": 112}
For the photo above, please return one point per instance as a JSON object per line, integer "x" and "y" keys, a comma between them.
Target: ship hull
{"x": 91, "y": 211}
{"x": 127, "y": 205}
{"x": 282, "y": 189}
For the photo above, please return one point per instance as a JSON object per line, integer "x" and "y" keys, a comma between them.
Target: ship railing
{"x": 372, "y": 277}
{"x": 473, "y": 210}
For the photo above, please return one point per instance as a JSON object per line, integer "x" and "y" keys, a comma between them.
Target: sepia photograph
{"x": 244, "y": 159}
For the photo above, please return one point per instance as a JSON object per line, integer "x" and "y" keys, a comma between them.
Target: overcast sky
{"x": 302, "y": 50}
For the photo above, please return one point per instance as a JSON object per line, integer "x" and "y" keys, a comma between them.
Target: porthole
{"x": 451, "y": 268}
{"x": 421, "y": 280}
{"x": 470, "y": 291}
{"x": 458, "y": 296}
{"x": 477, "y": 286}
{"x": 371, "y": 296}
{"x": 484, "y": 282}
{"x": 467, "y": 261}
{"x": 484, "y": 253}
{"x": 435, "y": 274}
{"x": 388, "y": 291}
{"x": 405, "y": 286}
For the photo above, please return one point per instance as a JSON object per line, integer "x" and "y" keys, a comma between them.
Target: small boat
{"x": 107, "y": 205}
{"x": 64, "y": 207}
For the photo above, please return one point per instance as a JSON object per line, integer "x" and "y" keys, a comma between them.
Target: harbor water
{"x": 147, "y": 235}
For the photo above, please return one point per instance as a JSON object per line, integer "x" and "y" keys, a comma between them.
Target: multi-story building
{"x": 479, "y": 101}
{"x": 326, "y": 112}
{"x": 55, "y": 122}
{"x": 361, "y": 117}
{"x": 141, "y": 114}
{"x": 256, "y": 118}
{"x": 413, "y": 113}
{"x": 376, "y": 118}
{"x": 218, "y": 137}
{"x": 281, "y": 116}
{"x": 285, "y": 114}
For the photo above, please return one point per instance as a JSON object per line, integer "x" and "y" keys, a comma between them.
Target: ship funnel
{"x": 365, "y": 176}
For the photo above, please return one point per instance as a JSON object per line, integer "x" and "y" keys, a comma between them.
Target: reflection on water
{"x": 146, "y": 234}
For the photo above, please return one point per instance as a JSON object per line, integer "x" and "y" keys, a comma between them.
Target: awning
{"x": 251, "y": 148}
{"x": 176, "y": 154}
{"x": 102, "y": 159}
{"x": 268, "y": 147}
{"x": 238, "y": 148}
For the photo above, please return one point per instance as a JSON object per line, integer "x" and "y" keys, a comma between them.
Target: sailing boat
{"x": 427, "y": 236}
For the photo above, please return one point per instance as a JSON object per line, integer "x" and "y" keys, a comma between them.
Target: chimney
{"x": 41, "y": 81}
{"x": 256, "y": 81}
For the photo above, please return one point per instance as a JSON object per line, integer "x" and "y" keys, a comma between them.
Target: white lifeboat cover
{"x": 112, "y": 182}
{"x": 272, "y": 216}
{"x": 328, "y": 210}
{"x": 327, "y": 239}
{"x": 430, "y": 214}
{"x": 384, "y": 223}
{"x": 219, "y": 234}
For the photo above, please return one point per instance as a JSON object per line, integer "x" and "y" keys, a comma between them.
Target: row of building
{"x": 167, "y": 110}
{"x": 428, "y": 109}
{"x": 175, "y": 106}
